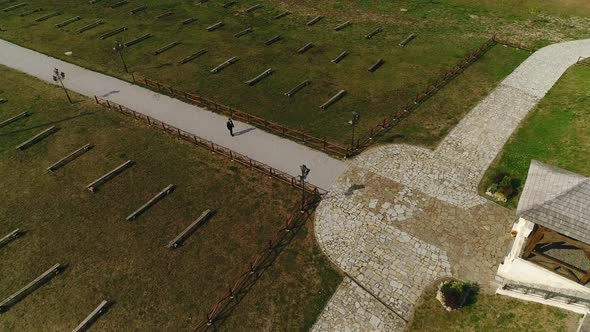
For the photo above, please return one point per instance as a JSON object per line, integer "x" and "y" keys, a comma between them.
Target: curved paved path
{"x": 280, "y": 153}
{"x": 402, "y": 216}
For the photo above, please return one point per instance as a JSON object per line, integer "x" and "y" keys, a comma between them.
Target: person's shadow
{"x": 245, "y": 131}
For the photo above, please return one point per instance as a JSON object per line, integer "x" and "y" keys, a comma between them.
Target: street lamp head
{"x": 356, "y": 116}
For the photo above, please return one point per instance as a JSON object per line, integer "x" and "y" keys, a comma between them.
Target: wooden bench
{"x": 32, "y": 11}
{"x": 68, "y": 22}
{"x": 15, "y": 234}
{"x": 36, "y": 138}
{"x": 192, "y": 57}
{"x": 90, "y": 26}
{"x": 92, "y": 317}
{"x": 103, "y": 179}
{"x": 138, "y": 9}
{"x": 112, "y": 33}
{"x": 224, "y": 65}
{"x": 215, "y": 26}
{"x": 314, "y": 20}
{"x": 178, "y": 240}
{"x": 165, "y": 192}
{"x": 164, "y": 15}
{"x": 13, "y": 7}
{"x": 253, "y": 8}
{"x": 14, "y": 118}
{"x": 119, "y": 4}
{"x": 296, "y": 89}
{"x": 260, "y": 77}
{"x": 342, "y": 26}
{"x": 229, "y": 4}
{"x": 407, "y": 40}
{"x": 373, "y": 33}
{"x": 137, "y": 40}
{"x": 243, "y": 32}
{"x": 19, "y": 295}
{"x": 166, "y": 48}
{"x": 273, "y": 40}
{"x": 376, "y": 65}
{"x": 281, "y": 15}
{"x": 305, "y": 48}
{"x": 340, "y": 57}
{"x": 48, "y": 16}
{"x": 333, "y": 100}
{"x": 65, "y": 160}
{"x": 189, "y": 21}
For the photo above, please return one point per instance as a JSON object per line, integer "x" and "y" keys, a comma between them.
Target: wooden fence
{"x": 225, "y": 305}
{"x": 361, "y": 143}
{"x": 269, "y": 126}
{"x": 221, "y": 150}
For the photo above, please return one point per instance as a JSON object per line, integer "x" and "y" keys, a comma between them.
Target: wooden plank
{"x": 103, "y": 179}
{"x": 90, "y": 26}
{"x": 314, "y": 20}
{"x": 92, "y": 317}
{"x": 243, "y": 32}
{"x": 112, "y": 33}
{"x": 192, "y": 57}
{"x": 15, "y": 234}
{"x": 36, "y": 138}
{"x": 253, "y": 8}
{"x": 137, "y": 40}
{"x": 165, "y": 192}
{"x": 166, "y": 48}
{"x": 296, "y": 89}
{"x": 215, "y": 26}
{"x": 13, "y": 7}
{"x": 342, "y": 26}
{"x": 341, "y": 56}
{"x": 407, "y": 40}
{"x": 224, "y": 65}
{"x": 65, "y": 160}
{"x": 333, "y": 100}
{"x": 48, "y": 16}
{"x": 260, "y": 77}
{"x": 32, "y": 11}
{"x": 14, "y": 298}
{"x": 178, "y": 240}
{"x": 14, "y": 118}
{"x": 68, "y": 22}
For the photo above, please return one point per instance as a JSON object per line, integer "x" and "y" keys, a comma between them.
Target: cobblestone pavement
{"x": 402, "y": 217}
{"x": 351, "y": 308}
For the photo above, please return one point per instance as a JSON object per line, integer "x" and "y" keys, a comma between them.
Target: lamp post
{"x": 303, "y": 176}
{"x": 59, "y": 76}
{"x": 119, "y": 49}
{"x": 356, "y": 116}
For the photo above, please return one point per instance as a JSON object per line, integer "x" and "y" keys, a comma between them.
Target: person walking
{"x": 230, "y": 126}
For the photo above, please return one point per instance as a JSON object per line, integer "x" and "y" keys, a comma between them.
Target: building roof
{"x": 557, "y": 199}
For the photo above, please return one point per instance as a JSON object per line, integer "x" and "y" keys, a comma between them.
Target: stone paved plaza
{"x": 403, "y": 217}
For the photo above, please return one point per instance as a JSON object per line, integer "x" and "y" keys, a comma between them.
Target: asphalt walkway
{"x": 280, "y": 153}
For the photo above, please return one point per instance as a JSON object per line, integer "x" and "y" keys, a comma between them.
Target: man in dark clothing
{"x": 230, "y": 126}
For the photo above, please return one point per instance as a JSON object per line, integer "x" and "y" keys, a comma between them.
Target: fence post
{"x": 148, "y": 120}
{"x": 96, "y": 98}
{"x": 135, "y": 115}
{"x": 121, "y": 109}
{"x": 195, "y": 138}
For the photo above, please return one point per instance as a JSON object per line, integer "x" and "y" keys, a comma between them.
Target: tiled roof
{"x": 557, "y": 199}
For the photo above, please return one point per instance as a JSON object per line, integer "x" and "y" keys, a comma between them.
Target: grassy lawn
{"x": 446, "y": 33}
{"x": 491, "y": 313}
{"x": 153, "y": 288}
{"x": 557, "y": 132}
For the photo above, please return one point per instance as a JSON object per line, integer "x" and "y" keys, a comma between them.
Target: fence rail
{"x": 583, "y": 61}
{"x": 221, "y": 150}
{"x": 256, "y": 121}
{"x": 556, "y": 295}
{"x": 236, "y": 291}
{"x": 361, "y": 143}
{"x": 387, "y": 123}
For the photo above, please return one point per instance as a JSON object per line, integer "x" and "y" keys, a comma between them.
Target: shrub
{"x": 455, "y": 293}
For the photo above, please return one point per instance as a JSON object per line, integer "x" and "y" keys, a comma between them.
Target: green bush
{"x": 457, "y": 293}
